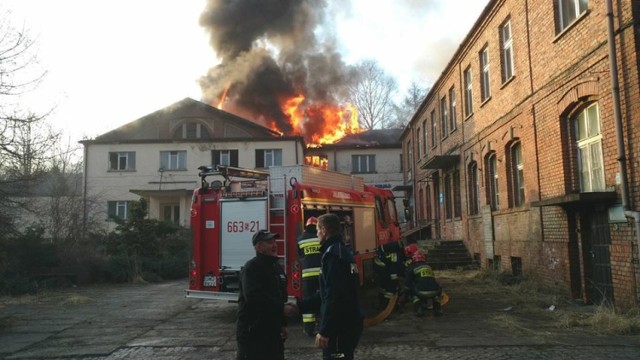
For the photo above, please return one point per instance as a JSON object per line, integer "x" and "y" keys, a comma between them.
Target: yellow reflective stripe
{"x": 307, "y": 318}
{"x": 394, "y": 276}
{"x": 379, "y": 262}
{"x": 311, "y": 272}
{"x": 308, "y": 242}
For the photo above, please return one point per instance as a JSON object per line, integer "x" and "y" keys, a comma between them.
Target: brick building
{"x": 516, "y": 148}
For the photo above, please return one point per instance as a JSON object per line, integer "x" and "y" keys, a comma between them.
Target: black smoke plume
{"x": 273, "y": 50}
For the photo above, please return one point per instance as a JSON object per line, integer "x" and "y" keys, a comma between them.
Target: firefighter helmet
{"x": 312, "y": 220}
{"x": 410, "y": 249}
{"x": 418, "y": 256}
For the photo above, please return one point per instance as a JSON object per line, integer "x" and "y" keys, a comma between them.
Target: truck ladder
{"x": 277, "y": 207}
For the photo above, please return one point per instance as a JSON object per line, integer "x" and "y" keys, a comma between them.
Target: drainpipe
{"x": 85, "y": 170}
{"x": 622, "y": 160}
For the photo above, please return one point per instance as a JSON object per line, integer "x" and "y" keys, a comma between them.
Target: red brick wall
{"x": 555, "y": 74}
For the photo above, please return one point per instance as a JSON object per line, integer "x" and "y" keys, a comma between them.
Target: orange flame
{"x": 223, "y": 97}
{"x": 290, "y": 108}
{"x": 319, "y": 123}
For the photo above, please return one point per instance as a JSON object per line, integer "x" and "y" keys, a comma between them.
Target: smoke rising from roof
{"x": 270, "y": 51}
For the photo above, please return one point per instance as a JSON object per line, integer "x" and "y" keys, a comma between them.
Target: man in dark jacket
{"x": 310, "y": 255}
{"x": 341, "y": 319}
{"x": 261, "y": 326}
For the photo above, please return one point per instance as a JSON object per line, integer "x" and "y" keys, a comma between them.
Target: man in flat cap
{"x": 262, "y": 302}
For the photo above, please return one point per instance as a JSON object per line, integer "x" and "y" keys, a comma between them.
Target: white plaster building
{"x": 157, "y": 157}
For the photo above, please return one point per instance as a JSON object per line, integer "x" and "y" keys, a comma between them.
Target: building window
{"x": 425, "y": 136}
{"x": 434, "y": 123}
{"x": 517, "y": 175}
{"x": 507, "y": 51}
{"x": 452, "y": 109}
{"x": 122, "y": 161}
{"x": 468, "y": 93}
{"x": 171, "y": 213}
{"x": 485, "y": 87}
{"x": 409, "y": 161}
{"x": 421, "y": 212}
{"x": 447, "y": 196}
{"x": 268, "y": 157}
{"x": 444, "y": 117}
{"x": 473, "y": 188}
{"x": 429, "y": 214}
{"x": 492, "y": 181}
{"x": 224, "y": 157}
{"x": 589, "y": 143}
{"x": 363, "y": 164}
{"x": 173, "y": 160}
{"x": 119, "y": 209}
{"x": 569, "y": 11}
{"x": 191, "y": 130}
{"x": 457, "y": 200}
{"x": 418, "y": 143}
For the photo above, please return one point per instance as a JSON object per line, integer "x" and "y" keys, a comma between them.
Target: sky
{"x": 111, "y": 62}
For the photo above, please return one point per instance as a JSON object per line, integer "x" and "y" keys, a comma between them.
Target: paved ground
{"x": 157, "y": 322}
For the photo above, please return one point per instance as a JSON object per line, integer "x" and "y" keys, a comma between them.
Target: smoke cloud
{"x": 270, "y": 51}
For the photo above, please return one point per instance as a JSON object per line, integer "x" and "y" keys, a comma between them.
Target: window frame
{"x": 473, "y": 192}
{"x": 120, "y": 209}
{"x": 506, "y": 49}
{"x": 233, "y": 155}
{"x": 180, "y": 160}
{"x": 129, "y": 158}
{"x": 448, "y": 198}
{"x": 517, "y": 168}
{"x": 452, "y": 110}
{"x": 468, "y": 92}
{"x": 434, "y": 123}
{"x": 174, "y": 209}
{"x": 485, "y": 74}
{"x": 444, "y": 117}
{"x": 425, "y": 131}
{"x": 580, "y": 7}
{"x": 586, "y": 145}
{"x": 268, "y": 157}
{"x": 493, "y": 191}
{"x": 357, "y": 163}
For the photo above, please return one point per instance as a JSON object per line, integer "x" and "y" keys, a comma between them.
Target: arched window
{"x": 191, "y": 130}
{"x": 516, "y": 178}
{"x": 491, "y": 166}
{"x": 589, "y": 147}
{"x": 472, "y": 182}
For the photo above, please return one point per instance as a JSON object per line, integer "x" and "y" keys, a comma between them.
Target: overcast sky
{"x": 111, "y": 62}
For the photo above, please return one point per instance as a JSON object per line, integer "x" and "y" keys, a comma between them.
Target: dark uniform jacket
{"x": 338, "y": 296}
{"x": 309, "y": 251}
{"x": 261, "y": 299}
{"x": 420, "y": 277}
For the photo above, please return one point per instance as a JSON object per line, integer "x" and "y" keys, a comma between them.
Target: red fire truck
{"x": 234, "y": 203}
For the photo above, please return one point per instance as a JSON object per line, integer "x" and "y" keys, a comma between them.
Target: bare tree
{"x": 24, "y": 140}
{"x": 405, "y": 110}
{"x": 371, "y": 94}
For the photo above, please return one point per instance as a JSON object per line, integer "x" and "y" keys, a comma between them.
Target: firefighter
{"x": 310, "y": 256}
{"x": 421, "y": 285}
{"x": 388, "y": 267}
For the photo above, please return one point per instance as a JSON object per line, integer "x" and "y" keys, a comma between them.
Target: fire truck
{"x": 232, "y": 204}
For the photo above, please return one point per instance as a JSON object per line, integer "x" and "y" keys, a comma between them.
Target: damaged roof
{"x": 376, "y": 138}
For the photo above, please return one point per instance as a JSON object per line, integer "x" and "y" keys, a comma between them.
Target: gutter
{"x": 622, "y": 160}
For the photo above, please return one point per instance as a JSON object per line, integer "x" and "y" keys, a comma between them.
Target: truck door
{"x": 239, "y": 220}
